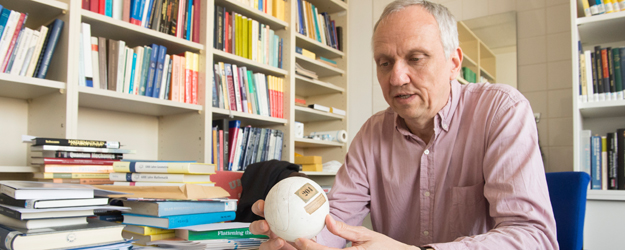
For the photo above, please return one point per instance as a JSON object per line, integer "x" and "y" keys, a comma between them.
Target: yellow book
{"x": 312, "y": 167}
{"x": 71, "y": 175}
{"x": 244, "y": 37}
{"x": 238, "y": 31}
{"x": 145, "y": 230}
{"x": 309, "y": 54}
{"x": 163, "y": 167}
{"x": 144, "y": 239}
{"x": 307, "y": 160}
{"x": 608, "y": 5}
{"x": 250, "y": 38}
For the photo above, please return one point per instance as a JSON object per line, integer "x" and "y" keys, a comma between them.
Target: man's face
{"x": 411, "y": 65}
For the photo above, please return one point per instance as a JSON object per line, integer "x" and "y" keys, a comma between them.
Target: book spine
{"x": 182, "y": 208}
{"x": 238, "y": 233}
{"x": 7, "y": 200}
{"x": 50, "y": 45}
{"x": 152, "y": 70}
{"x": 76, "y": 143}
{"x": 197, "y": 219}
{"x": 620, "y": 158}
{"x": 595, "y": 148}
{"x": 612, "y": 164}
{"x": 7, "y": 236}
{"x": 111, "y": 156}
{"x": 151, "y": 167}
{"x": 71, "y": 175}
{"x": 78, "y": 169}
{"x": 10, "y": 213}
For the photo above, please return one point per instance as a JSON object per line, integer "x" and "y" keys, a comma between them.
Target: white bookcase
{"x": 604, "y": 214}
{"x": 162, "y": 129}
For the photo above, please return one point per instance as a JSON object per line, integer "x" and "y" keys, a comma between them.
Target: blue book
{"x": 147, "y": 53}
{"x": 4, "y": 17}
{"x": 260, "y": 5}
{"x": 136, "y": 13}
{"x": 301, "y": 18}
{"x": 176, "y": 221}
{"x": 147, "y": 20}
{"x": 188, "y": 17}
{"x": 233, "y": 126}
{"x": 162, "y": 54}
{"x": 168, "y": 78}
{"x": 595, "y": 164}
{"x": 151, "y": 70}
{"x": 132, "y": 74}
{"x": 54, "y": 32}
{"x": 171, "y": 208}
{"x": 108, "y": 8}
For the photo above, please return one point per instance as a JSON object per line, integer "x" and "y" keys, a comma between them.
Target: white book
{"x": 161, "y": 94}
{"x": 121, "y": 64}
{"x": 7, "y": 34}
{"x": 588, "y": 69}
{"x": 237, "y": 151}
{"x": 26, "y": 190}
{"x": 237, "y": 88}
{"x": 272, "y": 145}
{"x": 321, "y": 23}
{"x": 175, "y": 78}
{"x": 87, "y": 63}
{"x": 81, "y": 63}
{"x": 118, "y": 7}
{"x": 43, "y": 32}
{"x": 95, "y": 62}
{"x": 144, "y": 15}
{"x": 20, "y": 52}
{"x": 138, "y": 69}
{"x": 42, "y": 223}
{"x": 584, "y": 148}
{"x": 128, "y": 70}
{"x": 186, "y": 178}
{"x": 34, "y": 39}
{"x": 253, "y": 39}
{"x": 261, "y": 91}
{"x": 270, "y": 48}
{"x": 145, "y": 183}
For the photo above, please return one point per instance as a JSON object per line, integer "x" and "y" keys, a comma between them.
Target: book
{"x": 611, "y": 142}
{"x": 16, "y": 213}
{"x": 56, "y": 168}
{"x": 41, "y": 223}
{"x": 595, "y": 167}
{"x": 144, "y": 239}
{"x": 163, "y": 167}
{"x": 70, "y": 175}
{"x": 234, "y": 233}
{"x": 95, "y": 232}
{"x": 319, "y": 107}
{"x": 70, "y": 161}
{"x": 80, "y": 149}
{"x": 48, "y": 48}
{"x": 308, "y": 160}
{"x": 176, "y": 221}
{"x": 337, "y": 111}
{"x": 76, "y": 155}
{"x": 186, "y": 178}
{"x": 96, "y": 181}
{"x": 75, "y": 142}
{"x": 620, "y": 155}
{"x": 169, "y": 208}
{"x": 34, "y": 203}
{"x": 25, "y": 190}
{"x": 156, "y": 184}
{"x": 143, "y": 230}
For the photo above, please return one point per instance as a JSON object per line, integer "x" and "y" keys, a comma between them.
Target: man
{"x": 447, "y": 166}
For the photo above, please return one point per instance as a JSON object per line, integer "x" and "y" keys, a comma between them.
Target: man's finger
{"x": 351, "y": 233}
{"x": 259, "y": 208}
{"x": 260, "y": 227}
{"x": 272, "y": 244}
{"x": 306, "y": 244}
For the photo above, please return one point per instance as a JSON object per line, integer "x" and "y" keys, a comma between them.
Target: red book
{"x": 604, "y": 63}
{"x": 18, "y": 29}
{"x": 220, "y": 159}
{"x": 188, "y": 80}
{"x": 126, "y": 11}
{"x": 196, "y": 64}
{"x": 234, "y": 132}
{"x": 196, "y": 21}
{"x": 72, "y": 161}
{"x": 86, "y": 5}
{"x": 228, "y": 38}
{"x": 230, "y": 81}
{"x": 230, "y": 181}
{"x": 95, "y": 5}
{"x": 102, "y": 7}
{"x": 180, "y": 21}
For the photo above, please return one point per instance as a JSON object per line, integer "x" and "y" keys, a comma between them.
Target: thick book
{"x": 75, "y": 142}
{"x": 234, "y": 233}
{"x": 80, "y": 149}
{"x": 41, "y": 223}
{"x": 24, "y": 190}
{"x": 169, "y": 208}
{"x": 176, "y": 221}
{"x": 57, "y": 168}
{"x": 186, "y": 178}
{"x": 70, "y": 175}
{"x": 143, "y": 230}
{"x": 35, "y": 204}
{"x": 48, "y": 49}
{"x": 70, "y": 161}
{"x": 76, "y": 155}
{"x": 11, "y": 212}
{"x": 163, "y": 167}
{"x": 93, "y": 233}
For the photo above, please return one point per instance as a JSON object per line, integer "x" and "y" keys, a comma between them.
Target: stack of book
{"x": 36, "y": 215}
{"x": 75, "y": 161}
{"x": 161, "y": 173}
{"x": 180, "y": 18}
{"x": 24, "y": 51}
{"x": 141, "y": 70}
{"x": 305, "y": 72}
{"x": 237, "y": 147}
{"x": 234, "y": 235}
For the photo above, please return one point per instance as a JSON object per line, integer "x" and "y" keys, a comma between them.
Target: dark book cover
{"x": 339, "y": 37}
{"x": 610, "y": 60}
{"x": 218, "y": 38}
{"x": 599, "y": 67}
{"x": 605, "y": 69}
{"x": 54, "y": 33}
{"x": 620, "y": 156}
{"x": 173, "y": 23}
{"x": 616, "y": 59}
{"x": 595, "y": 81}
{"x": 156, "y": 15}
{"x": 612, "y": 158}
{"x": 113, "y": 62}
{"x": 223, "y": 124}
{"x": 102, "y": 62}
{"x": 152, "y": 70}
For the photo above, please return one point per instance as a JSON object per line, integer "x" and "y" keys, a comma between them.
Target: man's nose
{"x": 399, "y": 74}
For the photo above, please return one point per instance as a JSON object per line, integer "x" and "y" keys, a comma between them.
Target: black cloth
{"x": 256, "y": 181}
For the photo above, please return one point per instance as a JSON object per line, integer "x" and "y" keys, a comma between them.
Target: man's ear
{"x": 455, "y": 63}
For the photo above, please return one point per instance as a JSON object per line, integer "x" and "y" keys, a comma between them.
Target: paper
{"x": 31, "y": 211}
{"x": 184, "y": 192}
{"x": 217, "y": 226}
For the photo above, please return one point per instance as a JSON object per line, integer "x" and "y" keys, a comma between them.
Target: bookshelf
{"x": 603, "y": 211}
{"x": 476, "y": 55}
{"x": 161, "y": 129}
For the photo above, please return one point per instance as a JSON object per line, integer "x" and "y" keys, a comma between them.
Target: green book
{"x": 252, "y": 89}
{"x": 237, "y": 233}
{"x": 616, "y": 55}
{"x": 314, "y": 18}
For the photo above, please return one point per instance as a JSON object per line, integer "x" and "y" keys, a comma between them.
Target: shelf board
{"x": 18, "y": 169}
{"x": 462, "y": 80}
{"x": 468, "y": 62}
{"x": 40, "y": 12}
{"x": 305, "y": 114}
{"x": 611, "y": 195}
{"x": 320, "y": 68}
{"x": 251, "y": 65}
{"x": 602, "y": 109}
{"x": 487, "y": 74}
{"x": 310, "y": 143}
{"x": 135, "y": 35}
{"x": 330, "y": 6}
{"x": 116, "y": 101}
{"x": 246, "y": 117}
{"x": 309, "y": 87}
{"x": 601, "y": 28}
{"x": 316, "y": 47}
{"x": 22, "y": 87}
{"x": 264, "y": 18}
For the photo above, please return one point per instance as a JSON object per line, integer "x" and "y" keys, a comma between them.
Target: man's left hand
{"x": 361, "y": 238}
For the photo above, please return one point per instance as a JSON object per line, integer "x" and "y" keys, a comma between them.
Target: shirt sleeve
{"x": 515, "y": 186}
{"x": 349, "y": 197}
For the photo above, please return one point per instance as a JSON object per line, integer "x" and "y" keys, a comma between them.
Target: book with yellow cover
{"x": 145, "y": 230}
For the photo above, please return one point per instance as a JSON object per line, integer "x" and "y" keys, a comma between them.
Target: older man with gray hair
{"x": 446, "y": 166}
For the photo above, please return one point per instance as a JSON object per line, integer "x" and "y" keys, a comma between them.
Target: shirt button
{"x": 445, "y": 126}
{"x": 427, "y": 194}
{"x": 427, "y": 152}
{"x": 426, "y": 233}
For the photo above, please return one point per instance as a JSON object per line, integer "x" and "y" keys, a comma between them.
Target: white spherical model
{"x": 296, "y": 207}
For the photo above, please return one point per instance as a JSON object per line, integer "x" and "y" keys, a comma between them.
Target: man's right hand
{"x": 262, "y": 227}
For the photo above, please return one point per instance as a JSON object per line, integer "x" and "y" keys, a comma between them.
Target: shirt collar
{"x": 442, "y": 120}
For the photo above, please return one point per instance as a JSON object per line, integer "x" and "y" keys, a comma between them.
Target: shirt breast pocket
{"x": 468, "y": 212}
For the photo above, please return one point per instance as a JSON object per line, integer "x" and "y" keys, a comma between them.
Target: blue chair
{"x": 567, "y": 191}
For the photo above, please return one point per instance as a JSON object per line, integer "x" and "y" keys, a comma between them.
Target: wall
{"x": 543, "y": 66}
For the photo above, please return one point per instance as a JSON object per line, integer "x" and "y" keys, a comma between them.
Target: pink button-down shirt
{"x": 478, "y": 184}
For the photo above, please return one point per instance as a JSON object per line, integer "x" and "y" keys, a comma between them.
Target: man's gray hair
{"x": 446, "y": 21}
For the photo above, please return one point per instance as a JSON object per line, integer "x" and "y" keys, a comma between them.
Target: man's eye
{"x": 414, "y": 59}
{"x": 384, "y": 64}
